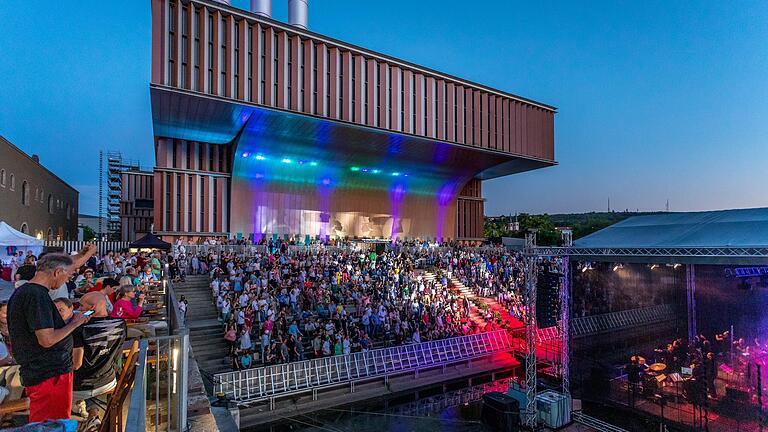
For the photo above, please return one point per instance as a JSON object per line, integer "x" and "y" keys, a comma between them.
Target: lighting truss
{"x": 743, "y": 252}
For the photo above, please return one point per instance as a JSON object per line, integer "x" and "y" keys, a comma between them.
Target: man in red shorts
{"x": 42, "y": 341}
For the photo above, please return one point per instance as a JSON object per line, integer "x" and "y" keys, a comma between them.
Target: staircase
{"x": 463, "y": 290}
{"x": 474, "y": 313}
{"x": 206, "y": 333}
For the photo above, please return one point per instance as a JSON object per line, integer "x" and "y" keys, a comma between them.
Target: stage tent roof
{"x": 733, "y": 230}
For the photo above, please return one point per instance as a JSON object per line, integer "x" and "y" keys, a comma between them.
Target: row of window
{"x": 286, "y": 65}
{"x": 53, "y": 204}
{"x": 50, "y": 234}
{"x": 175, "y": 220}
{"x": 209, "y": 157}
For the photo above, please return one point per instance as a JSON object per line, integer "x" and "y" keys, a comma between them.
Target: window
{"x": 354, "y": 90}
{"x": 223, "y": 57}
{"x": 249, "y": 66}
{"x": 50, "y": 204}
{"x": 189, "y": 202}
{"x": 289, "y": 71}
{"x": 24, "y": 228}
{"x": 69, "y": 215}
{"x": 178, "y": 202}
{"x": 50, "y": 233}
{"x": 302, "y": 61}
{"x": 276, "y": 58}
{"x": 196, "y": 51}
{"x": 215, "y": 202}
{"x": 2, "y": 178}
{"x": 171, "y": 39}
{"x": 210, "y": 54}
{"x": 25, "y": 194}
{"x": 262, "y": 67}
{"x": 184, "y": 45}
{"x": 167, "y": 200}
{"x": 13, "y": 182}
{"x": 200, "y": 153}
{"x": 236, "y": 58}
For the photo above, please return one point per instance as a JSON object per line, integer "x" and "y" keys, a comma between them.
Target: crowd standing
{"x": 286, "y": 304}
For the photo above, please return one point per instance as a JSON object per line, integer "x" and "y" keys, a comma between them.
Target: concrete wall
{"x": 33, "y": 199}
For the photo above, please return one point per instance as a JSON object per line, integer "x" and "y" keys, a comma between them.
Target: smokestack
{"x": 298, "y": 13}
{"x": 262, "y": 7}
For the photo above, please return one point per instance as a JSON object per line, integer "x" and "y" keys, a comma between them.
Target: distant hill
{"x": 582, "y": 224}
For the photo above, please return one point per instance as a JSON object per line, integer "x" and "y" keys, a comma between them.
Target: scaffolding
{"x": 111, "y": 191}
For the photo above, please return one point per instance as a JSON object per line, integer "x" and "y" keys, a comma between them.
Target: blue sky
{"x": 657, "y": 100}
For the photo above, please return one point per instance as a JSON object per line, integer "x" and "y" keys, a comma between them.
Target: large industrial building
{"x": 267, "y": 129}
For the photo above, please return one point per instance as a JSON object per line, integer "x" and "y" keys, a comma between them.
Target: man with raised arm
{"x": 42, "y": 341}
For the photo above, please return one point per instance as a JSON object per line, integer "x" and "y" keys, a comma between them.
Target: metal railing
{"x": 591, "y": 325}
{"x": 268, "y": 382}
{"x": 159, "y": 398}
{"x": 617, "y": 320}
{"x": 102, "y": 247}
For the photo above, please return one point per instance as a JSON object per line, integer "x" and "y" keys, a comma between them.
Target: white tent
{"x": 12, "y": 240}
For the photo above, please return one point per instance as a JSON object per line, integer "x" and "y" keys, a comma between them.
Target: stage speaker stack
{"x": 501, "y": 412}
{"x": 547, "y": 299}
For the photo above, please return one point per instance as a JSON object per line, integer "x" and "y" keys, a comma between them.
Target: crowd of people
{"x": 283, "y": 305}
{"x": 64, "y": 327}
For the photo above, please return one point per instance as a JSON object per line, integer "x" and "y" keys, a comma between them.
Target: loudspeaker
{"x": 501, "y": 412}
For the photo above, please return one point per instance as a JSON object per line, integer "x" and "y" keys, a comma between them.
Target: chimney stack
{"x": 36, "y": 158}
{"x": 298, "y": 13}
{"x": 262, "y": 7}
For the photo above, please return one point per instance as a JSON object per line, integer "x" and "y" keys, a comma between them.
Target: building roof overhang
{"x": 286, "y": 135}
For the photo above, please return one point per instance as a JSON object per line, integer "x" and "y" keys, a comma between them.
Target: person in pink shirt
{"x": 124, "y": 307}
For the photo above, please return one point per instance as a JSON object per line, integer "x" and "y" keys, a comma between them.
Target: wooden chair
{"x": 113, "y": 415}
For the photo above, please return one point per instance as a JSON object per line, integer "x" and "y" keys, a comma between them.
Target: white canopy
{"x": 12, "y": 240}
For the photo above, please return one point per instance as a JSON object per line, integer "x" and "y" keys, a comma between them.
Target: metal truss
{"x": 744, "y": 252}
{"x": 531, "y": 275}
{"x": 564, "y": 325}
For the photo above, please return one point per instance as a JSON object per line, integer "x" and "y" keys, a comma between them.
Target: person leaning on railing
{"x": 124, "y": 309}
{"x": 97, "y": 345}
{"x": 42, "y": 341}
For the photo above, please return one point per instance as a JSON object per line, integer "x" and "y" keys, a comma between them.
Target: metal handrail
{"x": 267, "y": 382}
{"x": 137, "y": 408}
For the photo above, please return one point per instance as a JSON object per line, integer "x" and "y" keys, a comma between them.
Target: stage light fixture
{"x": 376, "y": 171}
{"x": 618, "y": 266}
{"x": 286, "y": 161}
{"x": 354, "y": 168}
{"x": 313, "y": 163}
{"x": 654, "y": 266}
{"x": 245, "y": 154}
{"x": 395, "y": 174}
{"x": 676, "y": 266}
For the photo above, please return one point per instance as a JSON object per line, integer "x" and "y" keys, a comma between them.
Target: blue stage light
{"x": 260, "y": 157}
{"x": 395, "y": 174}
{"x": 286, "y": 161}
{"x": 376, "y": 171}
{"x": 313, "y": 163}
{"x": 245, "y": 154}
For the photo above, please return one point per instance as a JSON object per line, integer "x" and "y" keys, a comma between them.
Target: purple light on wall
{"x": 445, "y": 195}
{"x": 324, "y": 204}
{"x": 397, "y": 196}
